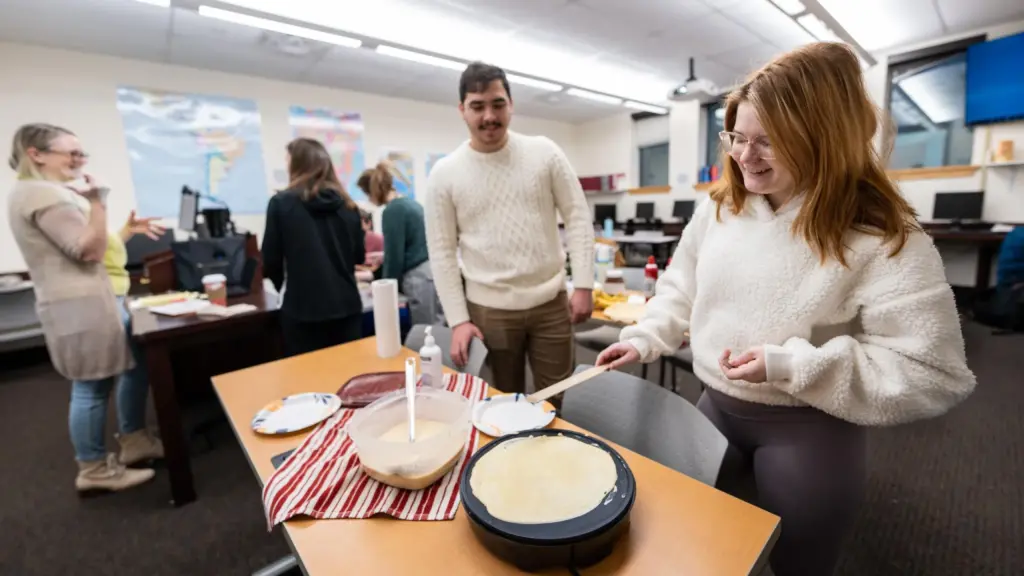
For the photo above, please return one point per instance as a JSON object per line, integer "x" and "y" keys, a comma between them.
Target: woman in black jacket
{"x": 312, "y": 243}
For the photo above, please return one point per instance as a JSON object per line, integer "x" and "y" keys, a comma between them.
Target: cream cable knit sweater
{"x": 497, "y": 211}
{"x": 877, "y": 343}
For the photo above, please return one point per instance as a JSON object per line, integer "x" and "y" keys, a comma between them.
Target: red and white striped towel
{"x": 323, "y": 479}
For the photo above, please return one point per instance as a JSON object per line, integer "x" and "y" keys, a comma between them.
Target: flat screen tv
{"x": 995, "y": 81}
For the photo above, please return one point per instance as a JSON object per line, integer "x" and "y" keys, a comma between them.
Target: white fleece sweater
{"x": 877, "y": 343}
{"x": 498, "y": 212}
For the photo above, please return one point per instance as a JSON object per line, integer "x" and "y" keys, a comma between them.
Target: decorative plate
{"x": 510, "y": 414}
{"x": 296, "y": 412}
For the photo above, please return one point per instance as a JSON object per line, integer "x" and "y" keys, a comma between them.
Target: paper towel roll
{"x": 385, "y": 317}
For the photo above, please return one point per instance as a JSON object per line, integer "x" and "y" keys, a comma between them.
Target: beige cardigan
{"x": 74, "y": 298}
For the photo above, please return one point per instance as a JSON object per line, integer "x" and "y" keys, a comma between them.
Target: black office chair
{"x": 1003, "y": 310}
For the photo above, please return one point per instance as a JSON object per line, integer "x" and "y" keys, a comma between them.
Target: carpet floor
{"x": 946, "y": 496}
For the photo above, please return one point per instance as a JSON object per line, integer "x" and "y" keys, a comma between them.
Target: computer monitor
{"x": 958, "y": 206}
{"x": 683, "y": 209}
{"x": 188, "y": 209}
{"x": 645, "y": 211}
{"x": 603, "y": 212}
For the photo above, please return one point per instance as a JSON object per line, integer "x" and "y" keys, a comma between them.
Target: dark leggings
{"x": 809, "y": 469}
{"x": 301, "y": 337}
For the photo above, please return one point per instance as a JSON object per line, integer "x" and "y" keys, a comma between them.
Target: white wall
{"x": 612, "y": 145}
{"x": 78, "y": 91}
{"x": 606, "y": 146}
{"x": 1003, "y": 187}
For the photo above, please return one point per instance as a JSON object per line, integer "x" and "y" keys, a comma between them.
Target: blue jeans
{"x": 87, "y": 418}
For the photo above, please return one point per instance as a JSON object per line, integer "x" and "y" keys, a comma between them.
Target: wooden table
{"x": 986, "y": 243}
{"x": 678, "y": 525}
{"x": 159, "y": 337}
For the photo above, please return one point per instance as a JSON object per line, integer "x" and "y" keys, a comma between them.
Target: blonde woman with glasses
{"x": 60, "y": 226}
{"x": 816, "y": 304}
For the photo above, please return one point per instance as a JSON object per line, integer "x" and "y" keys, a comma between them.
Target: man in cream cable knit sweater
{"x": 493, "y": 203}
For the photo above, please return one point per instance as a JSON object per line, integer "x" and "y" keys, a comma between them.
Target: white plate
{"x": 510, "y": 413}
{"x": 296, "y": 412}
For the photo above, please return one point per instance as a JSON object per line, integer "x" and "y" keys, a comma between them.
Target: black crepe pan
{"x": 575, "y": 543}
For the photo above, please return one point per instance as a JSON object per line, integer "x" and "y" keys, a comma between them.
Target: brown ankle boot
{"x": 109, "y": 475}
{"x": 139, "y": 446}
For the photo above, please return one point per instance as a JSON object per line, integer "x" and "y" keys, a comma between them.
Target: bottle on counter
{"x": 430, "y": 361}
{"x": 650, "y": 277}
{"x": 603, "y": 257}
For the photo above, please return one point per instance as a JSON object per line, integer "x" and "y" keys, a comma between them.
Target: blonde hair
{"x": 377, "y": 183}
{"x": 39, "y": 136}
{"x": 817, "y": 114}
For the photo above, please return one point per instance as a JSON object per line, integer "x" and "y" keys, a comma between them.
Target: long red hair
{"x": 817, "y": 114}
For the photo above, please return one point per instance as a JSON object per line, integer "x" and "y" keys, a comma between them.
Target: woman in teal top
{"x": 405, "y": 244}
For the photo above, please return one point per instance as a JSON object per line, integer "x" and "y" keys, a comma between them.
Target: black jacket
{"x": 315, "y": 244}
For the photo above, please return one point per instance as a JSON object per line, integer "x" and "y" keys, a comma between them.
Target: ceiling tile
{"x": 189, "y": 24}
{"x": 598, "y": 31}
{"x": 115, "y": 27}
{"x": 516, "y": 12}
{"x": 879, "y": 24}
{"x": 960, "y": 15}
{"x": 660, "y": 11}
{"x": 366, "y": 70}
{"x": 748, "y": 58}
{"x": 762, "y": 19}
{"x": 253, "y": 58}
{"x": 725, "y": 4}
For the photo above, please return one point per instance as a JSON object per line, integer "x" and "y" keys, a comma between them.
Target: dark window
{"x": 714, "y": 116}
{"x": 654, "y": 165}
{"x": 925, "y": 101}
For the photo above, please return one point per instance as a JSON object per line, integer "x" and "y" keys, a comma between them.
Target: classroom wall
{"x": 612, "y": 145}
{"x": 77, "y": 91}
{"x": 1003, "y": 187}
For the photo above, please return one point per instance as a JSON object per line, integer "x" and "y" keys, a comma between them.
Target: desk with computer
{"x": 644, "y": 235}
{"x": 957, "y": 219}
{"x": 213, "y": 245}
{"x": 644, "y": 218}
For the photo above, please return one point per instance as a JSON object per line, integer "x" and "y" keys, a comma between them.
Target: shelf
{"x": 651, "y": 190}
{"x": 931, "y": 173}
{"x": 603, "y": 192}
{"x": 1010, "y": 164}
{"x": 703, "y": 186}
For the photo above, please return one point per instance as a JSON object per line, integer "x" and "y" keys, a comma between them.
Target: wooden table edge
{"x": 756, "y": 567}
{"x": 256, "y": 473}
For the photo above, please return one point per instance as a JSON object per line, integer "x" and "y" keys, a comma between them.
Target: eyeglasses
{"x": 73, "y": 154}
{"x": 736, "y": 144}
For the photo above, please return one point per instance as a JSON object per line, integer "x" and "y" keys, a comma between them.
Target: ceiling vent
{"x": 285, "y": 44}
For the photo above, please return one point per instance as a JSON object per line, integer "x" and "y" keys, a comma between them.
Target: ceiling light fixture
{"x": 588, "y": 95}
{"x": 280, "y": 27}
{"x": 791, "y": 7}
{"x": 423, "y": 28}
{"x": 420, "y": 58}
{"x": 533, "y": 82}
{"x": 817, "y": 28}
{"x": 160, "y": 3}
{"x": 645, "y": 107}
{"x": 821, "y": 27}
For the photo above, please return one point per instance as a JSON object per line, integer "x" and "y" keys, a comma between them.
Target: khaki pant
{"x": 543, "y": 335}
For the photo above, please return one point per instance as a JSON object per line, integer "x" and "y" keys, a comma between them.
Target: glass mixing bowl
{"x": 404, "y": 464}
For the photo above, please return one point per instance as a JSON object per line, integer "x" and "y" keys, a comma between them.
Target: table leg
{"x": 983, "y": 272}
{"x": 168, "y": 415}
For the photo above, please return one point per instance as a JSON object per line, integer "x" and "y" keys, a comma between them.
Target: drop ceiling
{"x": 638, "y": 42}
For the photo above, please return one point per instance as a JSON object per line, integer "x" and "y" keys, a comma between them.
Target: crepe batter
{"x": 543, "y": 479}
{"x": 424, "y": 430}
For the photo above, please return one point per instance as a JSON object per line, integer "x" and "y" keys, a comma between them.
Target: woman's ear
{"x": 35, "y": 154}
